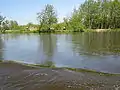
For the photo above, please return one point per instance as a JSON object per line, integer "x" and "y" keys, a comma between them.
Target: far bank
{"x": 59, "y": 31}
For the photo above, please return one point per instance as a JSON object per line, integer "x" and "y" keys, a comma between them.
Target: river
{"x": 96, "y": 51}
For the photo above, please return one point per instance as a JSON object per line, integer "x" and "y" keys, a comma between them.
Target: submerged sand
{"x": 15, "y": 76}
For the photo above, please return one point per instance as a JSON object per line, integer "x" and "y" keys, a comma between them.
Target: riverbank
{"x": 15, "y": 76}
{"x": 20, "y": 31}
{"x": 37, "y": 31}
{"x": 60, "y": 31}
{"x": 98, "y": 30}
{"x": 102, "y": 30}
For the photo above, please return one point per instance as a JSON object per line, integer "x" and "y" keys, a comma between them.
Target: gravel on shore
{"x": 15, "y": 76}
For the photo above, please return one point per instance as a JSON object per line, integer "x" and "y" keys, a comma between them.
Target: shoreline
{"x": 60, "y": 31}
{"x": 54, "y": 67}
{"x": 15, "y": 76}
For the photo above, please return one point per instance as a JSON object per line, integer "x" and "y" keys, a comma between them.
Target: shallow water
{"x": 99, "y": 51}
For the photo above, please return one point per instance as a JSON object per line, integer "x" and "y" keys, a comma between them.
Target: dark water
{"x": 99, "y": 51}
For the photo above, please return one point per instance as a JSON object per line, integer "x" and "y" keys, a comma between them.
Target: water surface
{"x": 99, "y": 51}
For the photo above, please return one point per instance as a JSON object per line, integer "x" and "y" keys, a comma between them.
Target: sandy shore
{"x": 20, "y": 77}
{"x": 101, "y": 30}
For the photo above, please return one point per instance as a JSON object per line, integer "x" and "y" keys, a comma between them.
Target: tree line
{"x": 7, "y": 24}
{"x": 13, "y": 25}
{"x": 92, "y": 14}
{"x": 97, "y": 14}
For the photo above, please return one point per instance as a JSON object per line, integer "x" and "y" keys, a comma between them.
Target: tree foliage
{"x": 13, "y": 25}
{"x": 1, "y": 21}
{"x": 9, "y": 25}
{"x": 96, "y": 14}
{"x": 47, "y": 17}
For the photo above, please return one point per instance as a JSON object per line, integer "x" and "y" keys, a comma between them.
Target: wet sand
{"x": 14, "y": 76}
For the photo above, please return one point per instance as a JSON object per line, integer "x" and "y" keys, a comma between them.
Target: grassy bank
{"x": 61, "y": 31}
{"x": 37, "y": 31}
{"x": 20, "y": 31}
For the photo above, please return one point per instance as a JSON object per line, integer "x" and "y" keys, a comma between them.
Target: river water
{"x": 97, "y": 51}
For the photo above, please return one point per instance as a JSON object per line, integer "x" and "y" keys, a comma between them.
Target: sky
{"x": 24, "y": 11}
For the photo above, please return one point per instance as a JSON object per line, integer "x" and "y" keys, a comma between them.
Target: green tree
{"x": 1, "y": 21}
{"x": 13, "y": 25}
{"x": 76, "y": 21}
{"x": 47, "y": 17}
{"x": 5, "y": 25}
{"x": 97, "y": 14}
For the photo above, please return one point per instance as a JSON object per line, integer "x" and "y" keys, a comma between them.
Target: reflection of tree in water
{"x": 11, "y": 36}
{"x": 49, "y": 46}
{"x": 78, "y": 41}
{"x": 103, "y": 43}
{"x": 48, "y": 63}
{"x": 1, "y": 48}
